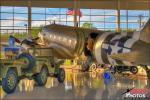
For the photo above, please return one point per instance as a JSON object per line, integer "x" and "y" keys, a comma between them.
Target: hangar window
{"x": 6, "y": 16}
{"x": 38, "y": 17}
{"x": 85, "y": 18}
{"x": 110, "y": 25}
{"x": 51, "y": 11}
{"x": 99, "y": 25}
{"x": 111, "y": 19}
{"x": 5, "y": 23}
{"x": 97, "y": 18}
{"x": 6, "y": 9}
{"x": 21, "y": 17}
{"x": 133, "y": 20}
{"x": 110, "y": 12}
{"x": 23, "y": 10}
{"x": 36, "y": 10}
{"x": 97, "y": 12}
{"x": 16, "y": 18}
{"x": 13, "y": 19}
{"x": 70, "y": 24}
{"x": 85, "y": 11}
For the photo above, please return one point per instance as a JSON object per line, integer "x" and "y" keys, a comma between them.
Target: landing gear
{"x": 86, "y": 65}
{"x": 85, "y": 68}
{"x": 10, "y": 81}
{"x": 120, "y": 69}
{"x": 93, "y": 67}
{"x": 133, "y": 70}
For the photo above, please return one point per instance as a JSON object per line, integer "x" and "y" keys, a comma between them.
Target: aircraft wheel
{"x": 41, "y": 78}
{"x": 115, "y": 70}
{"x": 134, "y": 69}
{"x": 93, "y": 67}
{"x": 119, "y": 69}
{"x": 10, "y": 82}
{"x": 61, "y": 75}
{"x": 85, "y": 67}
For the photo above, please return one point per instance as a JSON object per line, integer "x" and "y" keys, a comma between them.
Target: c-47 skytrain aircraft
{"x": 101, "y": 47}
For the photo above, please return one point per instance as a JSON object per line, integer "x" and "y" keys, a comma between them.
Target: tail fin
{"x": 145, "y": 32}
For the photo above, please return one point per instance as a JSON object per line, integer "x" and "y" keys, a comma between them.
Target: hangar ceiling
{"x": 94, "y": 4}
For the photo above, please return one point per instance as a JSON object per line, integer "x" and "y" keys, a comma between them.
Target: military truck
{"x": 36, "y": 63}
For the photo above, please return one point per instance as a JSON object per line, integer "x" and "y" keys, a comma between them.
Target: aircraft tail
{"x": 145, "y": 32}
{"x": 140, "y": 54}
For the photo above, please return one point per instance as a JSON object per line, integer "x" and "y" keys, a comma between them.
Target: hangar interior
{"x": 22, "y": 18}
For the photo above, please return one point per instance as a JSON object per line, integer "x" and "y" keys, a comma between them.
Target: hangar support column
{"x": 118, "y": 15}
{"x": 29, "y": 18}
{"x": 75, "y": 13}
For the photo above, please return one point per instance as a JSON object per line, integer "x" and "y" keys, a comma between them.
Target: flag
{"x": 72, "y": 12}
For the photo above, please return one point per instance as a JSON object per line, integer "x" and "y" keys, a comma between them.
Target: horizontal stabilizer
{"x": 132, "y": 57}
{"x": 124, "y": 57}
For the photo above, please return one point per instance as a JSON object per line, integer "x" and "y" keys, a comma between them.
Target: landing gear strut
{"x": 87, "y": 64}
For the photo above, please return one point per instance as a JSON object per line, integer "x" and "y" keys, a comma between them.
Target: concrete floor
{"x": 78, "y": 85}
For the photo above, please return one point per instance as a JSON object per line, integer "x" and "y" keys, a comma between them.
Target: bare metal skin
{"x": 108, "y": 48}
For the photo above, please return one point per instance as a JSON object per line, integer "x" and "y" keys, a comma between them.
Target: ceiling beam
{"x": 94, "y": 4}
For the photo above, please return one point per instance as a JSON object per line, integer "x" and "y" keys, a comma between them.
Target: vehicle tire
{"x": 133, "y": 69}
{"x": 29, "y": 59}
{"x": 10, "y": 82}
{"x": 41, "y": 78}
{"x": 61, "y": 75}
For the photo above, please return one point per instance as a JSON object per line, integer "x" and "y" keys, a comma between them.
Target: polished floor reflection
{"x": 78, "y": 85}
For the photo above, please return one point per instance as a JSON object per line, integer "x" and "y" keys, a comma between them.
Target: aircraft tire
{"x": 85, "y": 68}
{"x": 119, "y": 69}
{"x": 134, "y": 70}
